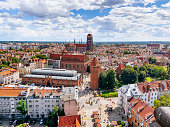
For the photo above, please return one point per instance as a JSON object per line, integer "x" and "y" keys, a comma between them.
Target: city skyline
{"x": 107, "y": 20}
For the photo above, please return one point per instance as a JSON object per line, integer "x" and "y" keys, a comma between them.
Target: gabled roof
{"x": 11, "y": 92}
{"x": 69, "y": 121}
{"x": 121, "y": 67}
{"x": 94, "y": 62}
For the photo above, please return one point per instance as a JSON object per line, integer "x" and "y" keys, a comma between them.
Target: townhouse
{"x": 140, "y": 114}
{"x": 153, "y": 90}
{"x": 146, "y": 91}
{"x": 41, "y": 101}
{"x": 8, "y": 76}
{"x": 125, "y": 93}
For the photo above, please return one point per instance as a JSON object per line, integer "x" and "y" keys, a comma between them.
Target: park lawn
{"x": 109, "y": 94}
{"x": 148, "y": 79}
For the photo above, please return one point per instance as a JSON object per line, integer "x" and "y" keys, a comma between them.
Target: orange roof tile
{"x": 68, "y": 121}
{"x": 11, "y": 92}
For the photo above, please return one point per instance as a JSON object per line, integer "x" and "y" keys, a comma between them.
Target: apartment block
{"x": 9, "y": 97}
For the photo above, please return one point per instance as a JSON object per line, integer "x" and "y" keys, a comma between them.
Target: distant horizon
{"x": 166, "y": 42}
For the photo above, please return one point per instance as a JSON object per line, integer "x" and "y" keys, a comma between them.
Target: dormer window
{"x": 147, "y": 116}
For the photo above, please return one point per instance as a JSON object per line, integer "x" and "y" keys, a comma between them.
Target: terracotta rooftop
{"x": 69, "y": 121}
{"x": 94, "y": 62}
{"x": 146, "y": 112}
{"x": 11, "y": 92}
{"x": 121, "y": 67}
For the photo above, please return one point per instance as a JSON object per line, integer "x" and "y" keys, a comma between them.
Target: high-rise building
{"x": 90, "y": 42}
{"x": 95, "y": 70}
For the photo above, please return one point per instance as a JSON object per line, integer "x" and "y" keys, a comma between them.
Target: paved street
{"x": 5, "y": 123}
{"x": 100, "y": 104}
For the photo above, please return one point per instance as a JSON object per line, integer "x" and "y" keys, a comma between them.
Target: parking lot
{"x": 5, "y": 123}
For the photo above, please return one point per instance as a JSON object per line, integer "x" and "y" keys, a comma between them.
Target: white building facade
{"x": 125, "y": 93}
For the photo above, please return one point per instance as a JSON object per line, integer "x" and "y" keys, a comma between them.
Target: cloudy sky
{"x": 107, "y": 20}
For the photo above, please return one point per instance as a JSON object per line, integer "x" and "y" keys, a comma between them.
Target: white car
{"x": 41, "y": 121}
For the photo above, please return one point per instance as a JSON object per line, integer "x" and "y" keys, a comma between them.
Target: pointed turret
{"x": 94, "y": 62}
{"x": 95, "y": 70}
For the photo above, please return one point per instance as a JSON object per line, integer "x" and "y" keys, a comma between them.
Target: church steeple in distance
{"x": 74, "y": 41}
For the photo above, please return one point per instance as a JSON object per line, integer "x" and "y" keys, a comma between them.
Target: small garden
{"x": 109, "y": 94}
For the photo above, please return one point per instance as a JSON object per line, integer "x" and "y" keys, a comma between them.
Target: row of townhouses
{"x": 8, "y": 76}
{"x": 136, "y": 101}
{"x": 39, "y": 101}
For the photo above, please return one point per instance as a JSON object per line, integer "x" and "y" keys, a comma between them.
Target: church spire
{"x": 74, "y": 40}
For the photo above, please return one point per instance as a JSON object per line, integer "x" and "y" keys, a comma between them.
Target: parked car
{"x": 41, "y": 121}
{"x": 11, "y": 122}
{"x": 33, "y": 121}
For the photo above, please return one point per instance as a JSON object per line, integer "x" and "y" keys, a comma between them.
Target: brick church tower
{"x": 89, "y": 42}
{"x": 95, "y": 70}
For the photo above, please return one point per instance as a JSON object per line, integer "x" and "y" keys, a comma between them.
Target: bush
{"x": 122, "y": 123}
{"x": 119, "y": 122}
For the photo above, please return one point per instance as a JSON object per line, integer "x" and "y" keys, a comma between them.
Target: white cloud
{"x": 52, "y": 20}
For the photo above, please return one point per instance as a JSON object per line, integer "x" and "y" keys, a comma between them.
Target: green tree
{"x": 111, "y": 79}
{"x": 143, "y": 68}
{"x": 142, "y": 76}
{"x": 136, "y": 68}
{"x": 152, "y": 60}
{"x": 129, "y": 76}
{"x": 21, "y": 107}
{"x": 163, "y": 101}
{"x": 52, "y": 120}
{"x": 15, "y": 60}
{"x": 102, "y": 80}
{"x": 108, "y": 125}
{"x": 39, "y": 56}
{"x": 37, "y": 50}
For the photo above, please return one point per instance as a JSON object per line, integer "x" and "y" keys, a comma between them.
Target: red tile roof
{"x": 121, "y": 67}
{"x": 147, "y": 110}
{"x": 68, "y": 121}
{"x": 94, "y": 62}
{"x": 11, "y": 92}
{"x": 80, "y": 45}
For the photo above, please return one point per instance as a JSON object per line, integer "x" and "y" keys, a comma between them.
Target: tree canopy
{"x": 21, "y": 107}
{"x": 142, "y": 76}
{"x": 162, "y": 101}
{"x": 52, "y": 120}
{"x": 40, "y": 56}
{"x": 15, "y": 60}
{"x": 152, "y": 60}
{"x": 108, "y": 80}
{"x": 129, "y": 76}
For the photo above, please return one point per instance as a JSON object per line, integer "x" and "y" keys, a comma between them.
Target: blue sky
{"x": 107, "y": 20}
